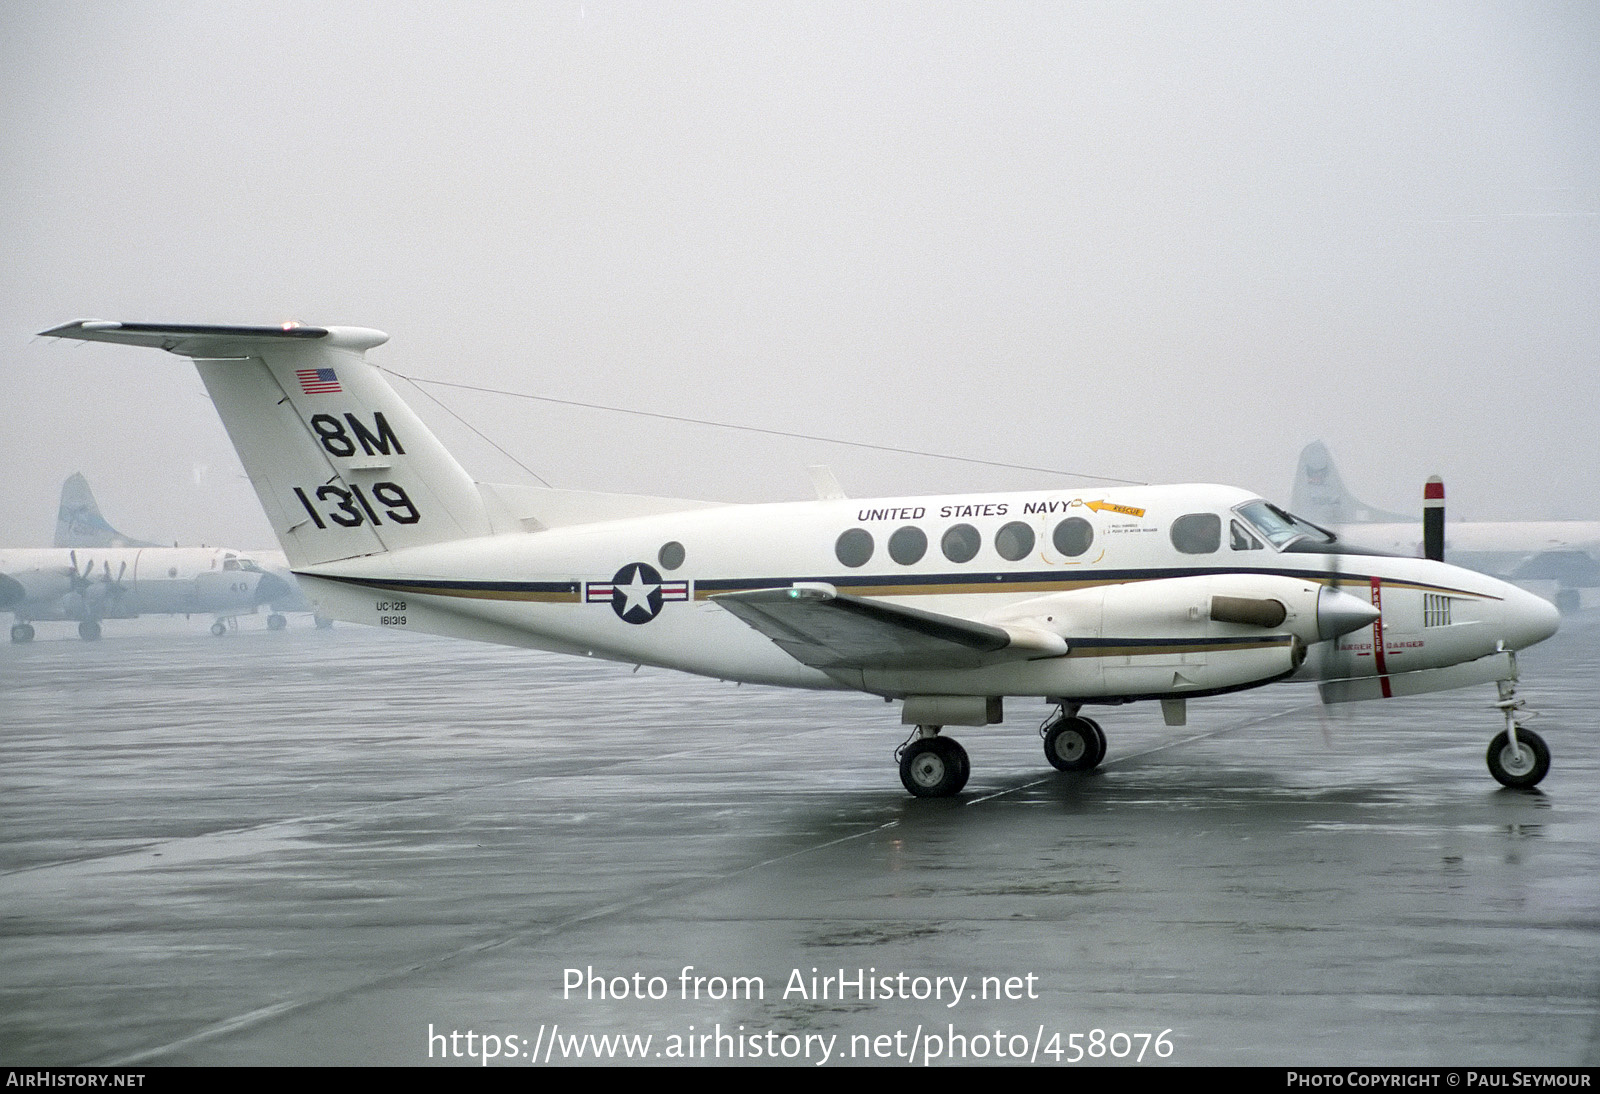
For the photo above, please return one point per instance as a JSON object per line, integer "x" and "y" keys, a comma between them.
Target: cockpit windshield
{"x": 1283, "y": 529}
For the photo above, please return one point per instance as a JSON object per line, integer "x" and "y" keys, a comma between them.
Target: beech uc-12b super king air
{"x": 950, "y": 605}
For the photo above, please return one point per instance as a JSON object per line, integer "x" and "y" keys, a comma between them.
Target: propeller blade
{"x": 1433, "y": 519}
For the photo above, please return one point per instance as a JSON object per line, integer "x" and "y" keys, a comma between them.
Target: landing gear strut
{"x": 1518, "y": 757}
{"x": 1072, "y": 742}
{"x": 932, "y": 766}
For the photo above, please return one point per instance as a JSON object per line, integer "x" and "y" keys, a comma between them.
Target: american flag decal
{"x": 318, "y": 381}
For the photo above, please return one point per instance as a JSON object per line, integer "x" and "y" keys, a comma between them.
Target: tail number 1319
{"x": 349, "y": 507}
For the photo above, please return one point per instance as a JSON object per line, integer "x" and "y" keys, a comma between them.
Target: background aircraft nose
{"x": 272, "y": 588}
{"x": 1528, "y": 619}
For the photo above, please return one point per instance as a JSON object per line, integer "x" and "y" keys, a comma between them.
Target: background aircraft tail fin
{"x": 343, "y": 467}
{"x": 1320, "y": 495}
{"x": 79, "y": 523}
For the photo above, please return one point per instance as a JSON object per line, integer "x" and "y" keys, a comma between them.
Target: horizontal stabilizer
{"x": 208, "y": 341}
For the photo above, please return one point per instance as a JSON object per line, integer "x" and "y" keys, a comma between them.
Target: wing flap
{"x": 828, "y": 630}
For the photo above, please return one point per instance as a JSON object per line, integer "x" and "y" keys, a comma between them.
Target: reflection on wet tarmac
{"x": 309, "y": 846}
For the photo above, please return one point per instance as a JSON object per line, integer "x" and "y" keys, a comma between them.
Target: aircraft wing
{"x": 829, "y": 630}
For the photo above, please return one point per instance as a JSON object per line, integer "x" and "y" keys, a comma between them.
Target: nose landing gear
{"x": 1518, "y": 757}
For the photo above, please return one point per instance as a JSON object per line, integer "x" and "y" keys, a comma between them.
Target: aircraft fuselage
{"x": 643, "y": 591}
{"x": 89, "y": 583}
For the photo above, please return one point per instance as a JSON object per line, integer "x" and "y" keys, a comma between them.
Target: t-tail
{"x": 343, "y": 467}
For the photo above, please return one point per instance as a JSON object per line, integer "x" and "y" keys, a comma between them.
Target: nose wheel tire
{"x": 1074, "y": 744}
{"x": 934, "y": 767}
{"x": 1521, "y": 766}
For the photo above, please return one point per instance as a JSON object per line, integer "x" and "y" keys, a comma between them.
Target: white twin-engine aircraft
{"x": 948, "y": 604}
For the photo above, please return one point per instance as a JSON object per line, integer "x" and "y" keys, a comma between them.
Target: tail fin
{"x": 1319, "y": 493}
{"x": 79, "y": 523}
{"x": 343, "y": 467}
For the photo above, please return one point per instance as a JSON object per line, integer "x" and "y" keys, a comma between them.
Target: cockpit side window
{"x": 1242, "y": 540}
{"x": 1281, "y": 528}
{"x": 1197, "y": 533}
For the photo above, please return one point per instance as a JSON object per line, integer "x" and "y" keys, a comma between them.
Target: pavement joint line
{"x": 1162, "y": 747}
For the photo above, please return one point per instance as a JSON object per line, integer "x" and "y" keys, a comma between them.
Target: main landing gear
{"x": 1072, "y": 742}
{"x": 1518, "y": 757}
{"x": 932, "y": 766}
{"x": 935, "y": 766}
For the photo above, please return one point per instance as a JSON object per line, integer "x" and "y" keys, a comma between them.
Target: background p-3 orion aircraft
{"x": 948, "y": 604}
{"x": 95, "y": 573}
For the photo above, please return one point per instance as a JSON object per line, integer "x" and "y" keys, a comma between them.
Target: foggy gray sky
{"x": 1166, "y": 242}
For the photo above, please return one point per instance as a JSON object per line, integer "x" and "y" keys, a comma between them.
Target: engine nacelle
{"x": 1185, "y": 635}
{"x": 1208, "y": 605}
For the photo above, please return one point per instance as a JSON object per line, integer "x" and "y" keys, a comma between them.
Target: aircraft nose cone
{"x": 11, "y": 593}
{"x": 1528, "y": 619}
{"x": 1340, "y": 613}
{"x": 272, "y": 588}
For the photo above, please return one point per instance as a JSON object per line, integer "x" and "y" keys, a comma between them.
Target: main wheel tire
{"x": 22, "y": 632}
{"x": 1099, "y": 740}
{"x": 934, "y": 767}
{"x": 89, "y": 630}
{"x": 1520, "y": 767}
{"x": 276, "y": 622}
{"x": 219, "y": 628}
{"x": 1074, "y": 744}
